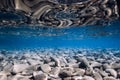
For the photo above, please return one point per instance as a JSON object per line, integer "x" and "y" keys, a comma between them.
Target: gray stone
{"x": 3, "y": 77}
{"x": 34, "y": 62}
{"x": 57, "y": 61}
{"x": 65, "y": 73}
{"x": 78, "y": 71}
{"x": 112, "y": 72}
{"x": 77, "y": 78}
{"x": 106, "y": 66}
{"x": 45, "y": 68}
{"x": 109, "y": 78}
{"x": 68, "y": 78}
{"x": 8, "y": 67}
{"x": 88, "y": 78}
{"x": 115, "y": 65}
{"x": 103, "y": 73}
{"x": 95, "y": 64}
{"x": 40, "y": 76}
{"x": 97, "y": 76}
{"x": 55, "y": 72}
{"x": 84, "y": 63}
{"x": 20, "y": 77}
{"x": 19, "y": 67}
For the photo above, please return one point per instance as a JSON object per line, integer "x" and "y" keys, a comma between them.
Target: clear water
{"x": 30, "y": 37}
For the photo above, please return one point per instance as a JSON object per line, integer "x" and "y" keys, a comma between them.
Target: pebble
{"x": 57, "y": 61}
{"x": 112, "y": 72}
{"x": 77, "y": 78}
{"x": 34, "y": 62}
{"x": 40, "y": 76}
{"x": 97, "y": 76}
{"x": 115, "y": 65}
{"x": 88, "y": 78}
{"x": 109, "y": 78}
{"x": 55, "y": 72}
{"x": 84, "y": 63}
{"x": 20, "y": 77}
{"x": 95, "y": 64}
{"x": 79, "y": 71}
{"x": 3, "y": 77}
{"x": 45, "y": 68}
{"x": 65, "y": 73}
{"x": 19, "y": 67}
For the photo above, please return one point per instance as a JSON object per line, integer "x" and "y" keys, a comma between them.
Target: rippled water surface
{"x": 24, "y": 37}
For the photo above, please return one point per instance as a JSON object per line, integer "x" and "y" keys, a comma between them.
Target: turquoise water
{"x": 30, "y": 37}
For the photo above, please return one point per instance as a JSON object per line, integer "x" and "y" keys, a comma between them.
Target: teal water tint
{"x": 26, "y": 37}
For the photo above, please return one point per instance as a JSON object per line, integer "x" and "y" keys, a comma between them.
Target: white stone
{"x": 88, "y": 78}
{"x": 45, "y": 68}
{"x": 19, "y": 67}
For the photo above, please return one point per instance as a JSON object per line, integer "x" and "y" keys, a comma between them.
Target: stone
{"x": 3, "y": 77}
{"x": 77, "y": 78}
{"x": 95, "y": 64}
{"x": 115, "y": 65}
{"x": 106, "y": 66}
{"x": 34, "y": 62}
{"x": 97, "y": 76}
{"x": 19, "y": 67}
{"x": 56, "y": 60}
{"x": 109, "y": 78}
{"x": 8, "y": 67}
{"x": 52, "y": 64}
{"x": 88, "y": 71}
{"x": 55, "y": 72}
{"x": 84, "y": 63}
{"x": 65, "y": 73}
{"x": 112, "y": 72}
{"x": 27, "y": 72}
{"x": 103, "y": 73}
{"x": 20, "y": 77}
{"x": 78, "y": 71}
{"x": 67, "y": 78}
{"x": 1, "y": 57}
{"x": 45, "y": 68}
{"x": 40, "y": 76}
{"x": 88, "y": 78}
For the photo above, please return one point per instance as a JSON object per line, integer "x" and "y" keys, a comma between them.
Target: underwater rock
{"x": 45, "y": 68}
{"x": 77, "y": 78}
{"x": 65, "y": 73}
{"x": 19, "y": 67}
{"x": 115, "y": 65}
{"x": 84, "y": 63}
{"x": 57, "y": 61}
{"x": 20, "y": 77}
{"x": 40, "y": 76}
{"x": 95, "y": 64}
{"x": 112, "y": 72}
{"x": 55, "y": 72}
{"x": 33, "y": 62}
{"x": 78, "y": 71}
{"x": 97, "y": 76}
{"x": 88, "y": 78}
{"x": 3, "y": 77}
{"x": 103, "y": 73}
{"x": 109, "y": 78}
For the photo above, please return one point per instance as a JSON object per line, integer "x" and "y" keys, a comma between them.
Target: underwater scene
{"x": 59, "y": 40}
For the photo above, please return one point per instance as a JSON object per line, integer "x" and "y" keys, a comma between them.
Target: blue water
{"x": 30, "y": 37}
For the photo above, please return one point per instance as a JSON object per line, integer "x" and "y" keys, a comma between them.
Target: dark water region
{"x": 31, "y": 37}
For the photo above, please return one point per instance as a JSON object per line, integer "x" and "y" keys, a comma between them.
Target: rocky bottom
{"x": 60, "y": 64}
